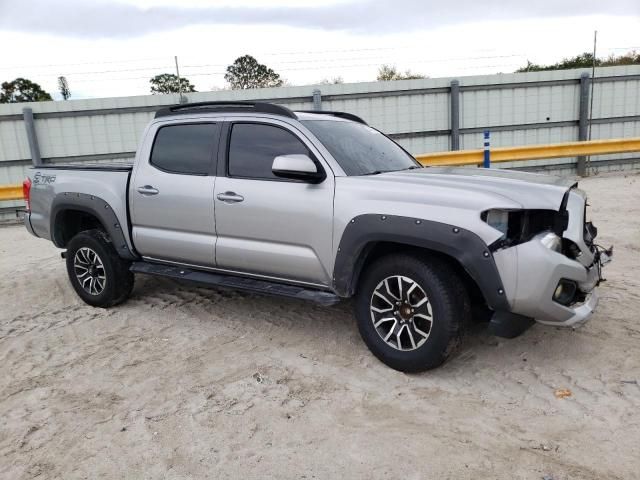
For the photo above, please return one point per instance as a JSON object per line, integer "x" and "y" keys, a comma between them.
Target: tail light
{"x": 26, "y": 192}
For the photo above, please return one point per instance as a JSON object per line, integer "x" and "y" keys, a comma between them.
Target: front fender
{"x": 460, "y": 244}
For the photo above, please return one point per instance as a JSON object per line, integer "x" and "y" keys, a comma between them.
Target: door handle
{"x": 148, "y": 190}
{"x": 230, "y": 197}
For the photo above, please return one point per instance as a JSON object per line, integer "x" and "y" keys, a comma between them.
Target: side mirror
{"x": 297, "y": 167}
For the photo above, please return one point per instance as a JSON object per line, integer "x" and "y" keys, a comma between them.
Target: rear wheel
{"x": 98, "y": 275}
{"x": 410, "y": 311}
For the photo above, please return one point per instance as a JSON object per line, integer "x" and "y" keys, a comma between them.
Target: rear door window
{"x": 186, "y": 149}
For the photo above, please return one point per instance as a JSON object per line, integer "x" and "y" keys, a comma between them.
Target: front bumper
{"x": 531, "y": 272}
{"x": 582, "y": 313}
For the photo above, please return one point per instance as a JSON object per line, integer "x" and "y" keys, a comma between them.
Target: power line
{"x": 433, "y": 60}
{"x": 291, "y": 62}
{"x": 58, "y": 65}
{"x": 621, "y": 48}
{"x": 300, "y": 52}
{"x": 269, "y": 54}
{"x": 322, "y": 67}
{"x": 318, "y": 64}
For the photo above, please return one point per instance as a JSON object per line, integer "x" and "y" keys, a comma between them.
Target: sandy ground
{"x": 184, "y": 382}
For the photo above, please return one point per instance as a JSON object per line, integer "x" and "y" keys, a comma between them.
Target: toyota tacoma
{"x": 320, "y": 206}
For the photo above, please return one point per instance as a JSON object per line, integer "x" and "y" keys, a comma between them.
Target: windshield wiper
{"x": 376, "y": 172}
{"x": 412, "y": 167}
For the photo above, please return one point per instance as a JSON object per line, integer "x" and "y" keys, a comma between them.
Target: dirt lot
{"x": 184, "y": 382}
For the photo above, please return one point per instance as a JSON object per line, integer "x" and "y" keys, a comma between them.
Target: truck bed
{"x": 98, "y": 188}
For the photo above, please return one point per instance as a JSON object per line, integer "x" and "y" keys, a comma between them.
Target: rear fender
{"x": 96, "y": 207}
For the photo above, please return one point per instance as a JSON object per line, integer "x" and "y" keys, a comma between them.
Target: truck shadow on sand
{"x": 307, "y": 325}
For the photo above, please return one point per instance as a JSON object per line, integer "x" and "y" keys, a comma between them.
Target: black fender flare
{"x": 463, "y": 245}
{"x": 95, "y": 206}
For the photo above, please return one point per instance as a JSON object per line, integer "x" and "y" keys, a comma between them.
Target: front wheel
{"x": 98, "y": 275}
{"x": 410, "y": 311}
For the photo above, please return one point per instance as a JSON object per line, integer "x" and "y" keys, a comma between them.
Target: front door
{"x": 171, "y": 195}
{"x": 266, "y": 225}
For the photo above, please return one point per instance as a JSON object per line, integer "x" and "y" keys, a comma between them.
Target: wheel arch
{"x": 368, "y": 237}
{"x": 72, "y": 213}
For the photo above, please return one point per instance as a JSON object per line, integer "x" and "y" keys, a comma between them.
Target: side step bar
{"x": 236, "y": 283}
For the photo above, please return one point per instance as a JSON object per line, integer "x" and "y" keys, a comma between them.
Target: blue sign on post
{"x": 487, "y": 152}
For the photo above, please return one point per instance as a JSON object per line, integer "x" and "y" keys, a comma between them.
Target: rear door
{"x": 171, "y": 193}
{"x": 267, "y": 225}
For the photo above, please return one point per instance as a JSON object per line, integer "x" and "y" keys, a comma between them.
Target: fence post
{"x": 454, "y": 104}
{"x": 34, "y": 148}
{"x": 583, "y": 120}
{"x": 487, "y": 153}
{"x": 317, "y": 99}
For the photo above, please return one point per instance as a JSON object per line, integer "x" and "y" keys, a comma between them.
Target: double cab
{"x": 322, "y": 207}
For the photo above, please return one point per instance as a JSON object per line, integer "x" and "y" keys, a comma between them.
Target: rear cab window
{"x": 186, "y": 149}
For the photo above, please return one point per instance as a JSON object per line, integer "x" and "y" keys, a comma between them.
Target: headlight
{"x": 498, "y": 219}
{"x": 552, "y": 242}
{"x": 519, "y": 226}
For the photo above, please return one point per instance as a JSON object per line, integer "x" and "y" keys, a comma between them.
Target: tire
{"x": 438, "y": 291}
{"x": 98, "y": 275}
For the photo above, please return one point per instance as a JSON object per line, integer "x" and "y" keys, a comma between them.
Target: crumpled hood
{"x": 529, "y": 190}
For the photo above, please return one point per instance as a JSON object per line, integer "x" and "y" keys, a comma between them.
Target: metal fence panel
{"x": 519, "y": 109}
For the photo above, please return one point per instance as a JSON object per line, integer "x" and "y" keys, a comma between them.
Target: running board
{"x": 319, "y": 297}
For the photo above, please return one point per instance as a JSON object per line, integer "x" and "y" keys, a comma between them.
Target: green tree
{"x": 630, "y": 58}
{"x": 247, "y": 72}
{"x": 168, "y": 83}
{"x": 584, "y": 60}
{"x": 63, "y": 87}
{"x": 579, "y": 61}
{"x": 390, "y": 72}
{"x": 22, "y": 90}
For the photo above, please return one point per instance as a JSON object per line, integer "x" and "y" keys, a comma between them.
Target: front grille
{"x": 589, "y": 230}
{"x": 590, "y": 233}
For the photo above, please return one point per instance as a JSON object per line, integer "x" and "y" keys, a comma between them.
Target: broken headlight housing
{"x": 498, "y": 219}
{"x": 519, "y": 226}
{"x": 552, "y": 241}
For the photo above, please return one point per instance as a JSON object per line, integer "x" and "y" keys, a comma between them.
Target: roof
{"x": 252, "y": 107}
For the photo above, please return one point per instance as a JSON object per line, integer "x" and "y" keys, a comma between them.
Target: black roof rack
{"x": 231, "y": 106}
{"x": 345, "y": 115}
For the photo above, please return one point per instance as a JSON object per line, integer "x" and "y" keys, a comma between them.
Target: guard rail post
{"x": 487, "y": 153}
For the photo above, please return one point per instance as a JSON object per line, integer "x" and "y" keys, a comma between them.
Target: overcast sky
{"x": 108, "y": 48}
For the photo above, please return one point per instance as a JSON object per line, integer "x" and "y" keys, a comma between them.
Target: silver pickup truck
{"x": 320, "y": 206}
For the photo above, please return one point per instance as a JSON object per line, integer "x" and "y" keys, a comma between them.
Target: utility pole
{"x": 593, "y": 78}
{"x": 593, "y": 82}
{"x": 178, "y": 75}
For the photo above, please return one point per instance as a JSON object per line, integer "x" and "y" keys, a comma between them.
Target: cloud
{"x": 88, "y": 19}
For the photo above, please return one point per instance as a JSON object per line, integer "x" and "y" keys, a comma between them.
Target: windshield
{"x": 359, "y": 149}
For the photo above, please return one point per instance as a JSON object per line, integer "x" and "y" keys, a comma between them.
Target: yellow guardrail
{"x": 10, "y": 192}
{"x": 532, "y": 152}
{"x": 475, "y": 157}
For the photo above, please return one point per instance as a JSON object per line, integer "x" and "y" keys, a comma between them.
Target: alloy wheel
{"x": 89, "y": 271}
{"x": 401, "y": 313}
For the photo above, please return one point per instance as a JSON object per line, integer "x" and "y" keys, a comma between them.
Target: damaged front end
{"x": 549, "y": 261}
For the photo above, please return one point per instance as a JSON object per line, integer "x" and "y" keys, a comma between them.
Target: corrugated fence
{"x": 425, "y": 115}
